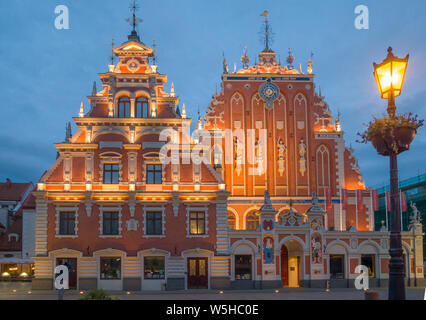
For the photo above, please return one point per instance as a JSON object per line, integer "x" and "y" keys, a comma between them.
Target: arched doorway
{"x": 291, "y": 253}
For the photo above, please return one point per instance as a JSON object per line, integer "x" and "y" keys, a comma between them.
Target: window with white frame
{"x": 66, "y": 222}
{"x": 154, "y": 223}
{"x": 110, "y": 224}
{"x": 154, "y": 174}
{"x": 197, "y": 222}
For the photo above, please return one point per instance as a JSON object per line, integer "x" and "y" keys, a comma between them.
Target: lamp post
{"x": 390, "y": 76}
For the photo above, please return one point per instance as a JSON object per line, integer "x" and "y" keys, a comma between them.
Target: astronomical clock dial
{"x": 269, "y": 92}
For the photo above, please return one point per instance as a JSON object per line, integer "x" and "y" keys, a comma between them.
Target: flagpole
{"x": 386, "y": 209}
{"x": 372, "y": 212}
{"x": 341, "y": 210}
{"x": 356, "y": 209}
{"x": 400, "y": 209}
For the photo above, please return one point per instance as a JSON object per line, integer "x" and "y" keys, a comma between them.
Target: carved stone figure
{"x": 238, "y": 155}
{"x": 302, "y": 159}
{"x": 281, "y": 157}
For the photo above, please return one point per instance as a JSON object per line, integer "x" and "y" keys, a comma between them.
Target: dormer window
{"x": 142, "y": 110}
{"x": 124, "y": 107}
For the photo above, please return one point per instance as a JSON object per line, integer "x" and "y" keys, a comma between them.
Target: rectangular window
{"x": 154, "y": 174}
{"x": 243, "y": 267}
{"x": 67, "y": 223}
{"x": 337, "y": 267}
{"x": 110, "y": 223}
{"x": 154, "y": 223}
{"x": 110, "y": 268}
{"x": 154, "y": 268}
{"x": 111, "y": 173}
{"x": 197, "y": 223}
{"x": 368, "y": 261}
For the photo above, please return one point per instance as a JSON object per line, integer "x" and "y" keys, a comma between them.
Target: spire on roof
{"x": 225, "y": 64}
{"x": 183, "y": 111}
{"x": 245, "y": 59}
{"x": 68, "y": 134}
{"x": 134, "y": 21}
{"x": 81, "y": 113}
{"x": 94, "y": 89}
{"x": 172, "y": 90}
{"x": 200, "y": 120}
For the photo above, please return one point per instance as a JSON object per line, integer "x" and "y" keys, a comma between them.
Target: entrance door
{"x": 71, "y": 263}
{"x": 293, "y": 271}
{"x": 197, "y": 273}
{"x": 284, "y": 265}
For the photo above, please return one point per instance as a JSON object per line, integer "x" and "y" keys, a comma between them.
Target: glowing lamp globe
{"x": 390, "y": 75}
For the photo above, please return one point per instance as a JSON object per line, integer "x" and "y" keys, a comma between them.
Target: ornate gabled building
{"x": 270, "y": 130}
{"x": 111, "y": 209}
{"x": 128, "y": 206}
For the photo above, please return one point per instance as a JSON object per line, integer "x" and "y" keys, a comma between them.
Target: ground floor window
{"x": 154, "y": 268}
{"x": 243, "y": 266}
{"x": 17, "y": 270}
{"x": 110, "y": 268}
{"x": 337, "y": 266}
{"x": 368, "y": 261}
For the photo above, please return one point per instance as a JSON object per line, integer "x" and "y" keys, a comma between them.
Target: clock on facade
{"x": 269, "y": 92}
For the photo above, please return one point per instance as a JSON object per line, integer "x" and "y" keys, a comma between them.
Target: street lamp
{"x": 390, "y": 76}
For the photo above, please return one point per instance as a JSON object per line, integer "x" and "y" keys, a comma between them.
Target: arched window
{"x": 323, "y": 166}
{"x": 217, "y": 156}
{"x": 232, "y": 221}
{"x": 141, "y": 106}
{"x": 252, "y": 221}
{"x": 124, "y": 107}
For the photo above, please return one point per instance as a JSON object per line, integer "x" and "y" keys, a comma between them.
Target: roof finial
{"x": 200, "y": 120}
{"x": 172, "y": 90}
{"x": 183, "y": 111}
{"x": 94, "y": 89}
{"x": 154, "y": 57}
{"x": 225, "y": 64}
{"x": 134, "y": 22}
{"x": 310, "y": 64}
{"x": 112, "y": 51}
{"x": 245, "y": 59}
{"x": 81, "y": 113}
{"x": 290, "y": 59}
{"x": 68, "y": 134}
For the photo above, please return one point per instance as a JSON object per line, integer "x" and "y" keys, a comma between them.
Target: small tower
{"x": 94, "y": 89}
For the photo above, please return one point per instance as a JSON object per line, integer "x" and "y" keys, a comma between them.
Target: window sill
{"x": 197, "y": 235}
{"x": 154, "y": 187}
{"x": 111, "y": 236}
{"x": 154, "y": 236}
{"x": 62, "y": 236}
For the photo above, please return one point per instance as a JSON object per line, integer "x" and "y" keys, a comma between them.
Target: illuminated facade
{"x": 121, "y": 218}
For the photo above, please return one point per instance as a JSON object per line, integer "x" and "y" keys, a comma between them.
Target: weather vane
{"x": 154, "y": 56}
{"x": 133, "y": 20}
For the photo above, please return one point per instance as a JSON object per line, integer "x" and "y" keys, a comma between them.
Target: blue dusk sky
{"x": 45, "y": 73}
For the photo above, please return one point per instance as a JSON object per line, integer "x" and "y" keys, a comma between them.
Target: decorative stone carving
{"x": 132, "y": 225}
{"x": 281, "y": 156}
{"x": 238, "y": 155}
{"x": 259, "y": 156}
{"x": 302, "y": 159}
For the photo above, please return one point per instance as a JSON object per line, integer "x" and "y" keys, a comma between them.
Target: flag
{"x": 328, "y": 201}
{"x": 344, "y": 199}
{"x": 388, "y": 202}
{"x": 403, "y": 202}
{"x": 375, "y": 199}
{"x": 359, "y": 199}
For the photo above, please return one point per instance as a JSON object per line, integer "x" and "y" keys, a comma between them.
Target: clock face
{"x": 269, "y": 92}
